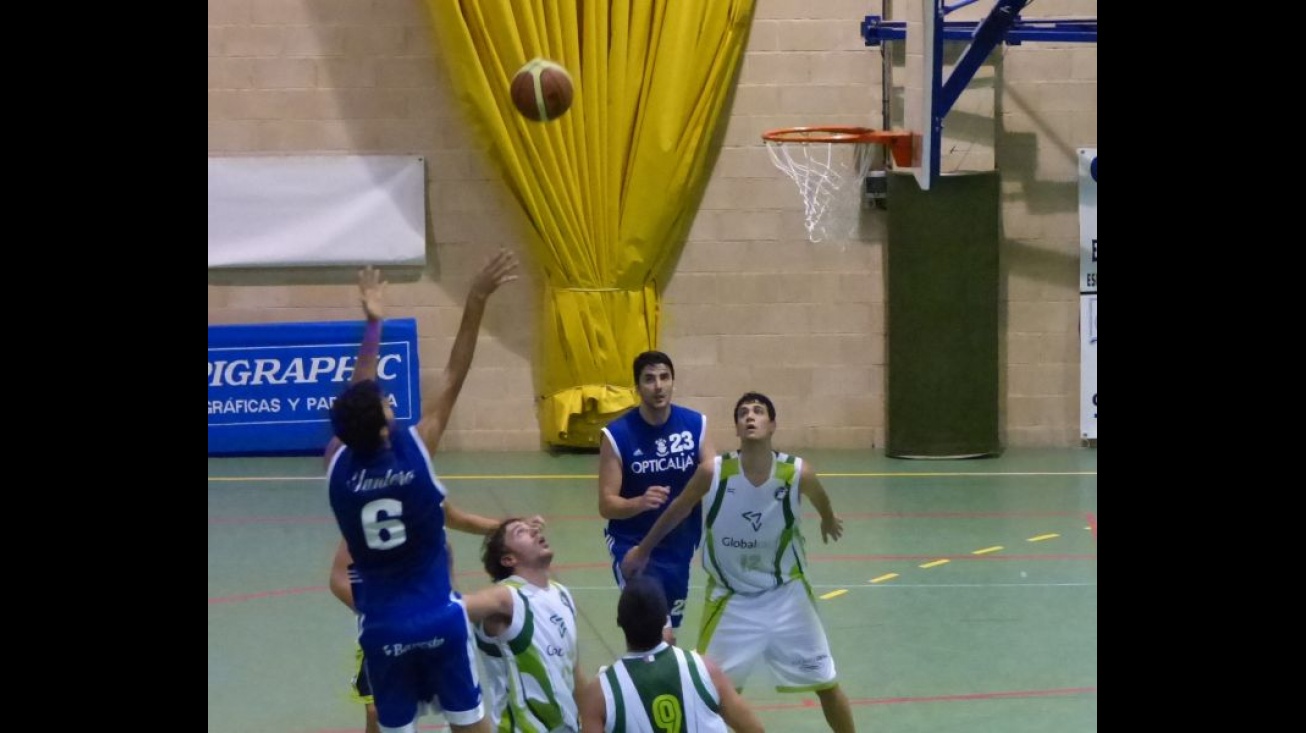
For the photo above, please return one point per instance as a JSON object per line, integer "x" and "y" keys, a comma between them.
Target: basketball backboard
{"x": 923, "y": 87}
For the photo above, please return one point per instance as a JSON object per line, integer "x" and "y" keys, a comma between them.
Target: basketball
{"x": 541, "y": 90}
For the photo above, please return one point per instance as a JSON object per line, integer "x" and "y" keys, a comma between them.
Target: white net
{"x": 830, "y": 176}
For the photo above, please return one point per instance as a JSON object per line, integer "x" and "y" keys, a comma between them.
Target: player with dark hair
{"x": 657, "y": 687}
{"x": 760, "y": 606}
{"x": 389, "y": 506}
{"x": 527, "y": 634}
{"x": 360, "y": 687}
{"x": 646, "y": 457}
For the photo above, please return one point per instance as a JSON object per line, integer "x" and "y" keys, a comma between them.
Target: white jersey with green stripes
{"x": 752, "y": 538}
{"x": 663, "y": 690}
{"x": 530, "y": 665}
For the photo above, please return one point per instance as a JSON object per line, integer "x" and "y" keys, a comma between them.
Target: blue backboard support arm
{"x": 991, "y": 31}
{"x": 1002, "y": 25}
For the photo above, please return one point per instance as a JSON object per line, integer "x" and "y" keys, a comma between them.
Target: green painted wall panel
{"x": 942, "y": 316}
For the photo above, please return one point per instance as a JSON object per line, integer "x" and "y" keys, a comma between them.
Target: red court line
{"x": 564, "y": 567}
{"x": 945, "y": 515}
{"x": 862, "y": 558}
{"x": 270, "y": 520}
{"x": 596, "y": 518}
{"x": 266, "y": 594}
{"x": 1092, "y": 524}
{"x": 354, "y": 729}
{"x": 808, "y": 703}
{"x": 939, "y": 698}
{"x": 322, "y": 588}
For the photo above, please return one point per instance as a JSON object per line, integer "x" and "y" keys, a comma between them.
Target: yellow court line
{"x": 834, "y": 594}
{"x": 564, "y": 476}
{"x": 987, "y": 550}
{"x": 886, "y": 576}
{"x": 267, "y": 478}
{"x": 443, "y": 477}
{"x": 934, "y": 564}
{"x": 1042, "y": 537}
{"x": 910, "y": 474}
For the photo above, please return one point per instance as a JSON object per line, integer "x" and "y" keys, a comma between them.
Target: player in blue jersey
{"x": 341, "y": 565}
{"x": 389, "y": 506}
{"x": 646, "y": 457}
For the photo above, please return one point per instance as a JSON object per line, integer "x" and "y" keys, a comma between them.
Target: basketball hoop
{"x": 830, "y": 164}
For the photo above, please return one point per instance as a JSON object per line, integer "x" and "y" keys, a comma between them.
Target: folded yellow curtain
{"x": 611, "y": 187}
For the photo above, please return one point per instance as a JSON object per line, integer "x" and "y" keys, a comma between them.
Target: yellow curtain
{"x": 611, "y": 187}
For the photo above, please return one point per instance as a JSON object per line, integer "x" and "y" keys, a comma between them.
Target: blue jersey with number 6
{"x": 657, "y": 455}
{"x": 412, "y": 627}
{"x": 388, "y": 506}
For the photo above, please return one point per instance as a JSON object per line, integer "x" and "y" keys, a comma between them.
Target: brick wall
{"x": 753, "y": 305}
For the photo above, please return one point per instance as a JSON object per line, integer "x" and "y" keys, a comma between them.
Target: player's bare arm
{"x": 455, "y": 518}
{"x": 491, "y": 606}
{"x": 612, "y": 505}
{"x": 340, "y": 587}
{"x": 371, "y": 295}
{"x": 437, "y": 407}
{"x": 706, "y": 450}
{"x": 809, "y": 486}
{"x": 734, "y": 710}
{"x": 463, "y": 521}
{"x": 592, "y": 708}
{"x": 581, "y": 681}
{"x": 676, "y": 513}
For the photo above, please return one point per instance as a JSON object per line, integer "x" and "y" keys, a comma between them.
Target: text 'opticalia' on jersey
{"x": 657, "y": 455}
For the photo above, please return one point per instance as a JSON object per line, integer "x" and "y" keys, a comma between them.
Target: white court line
{"x": 542, "y": 477}
{"x": 902, "y": 586}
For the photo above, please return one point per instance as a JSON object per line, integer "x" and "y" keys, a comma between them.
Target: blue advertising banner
{"x": 271, "y": 385}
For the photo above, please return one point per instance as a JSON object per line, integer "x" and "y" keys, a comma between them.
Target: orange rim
{"x": 899, "y": 141}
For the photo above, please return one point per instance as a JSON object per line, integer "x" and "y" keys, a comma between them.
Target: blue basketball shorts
{"x": 674, "y": 577}
{"x": 416, "y": 666}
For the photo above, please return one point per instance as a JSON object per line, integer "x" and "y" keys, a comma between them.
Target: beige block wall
{"x": 753, "y": 304}
{"x": 1046, "y": 110}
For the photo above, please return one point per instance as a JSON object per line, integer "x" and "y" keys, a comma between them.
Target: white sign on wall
{"x": 1088, "y": 293}
{"x": 300, "y": 211}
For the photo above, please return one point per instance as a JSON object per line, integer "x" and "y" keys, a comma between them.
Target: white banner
{"x": 294, "y": 211}
{"x": 1088, "y": 366}
{"x": 1088, "y": 293}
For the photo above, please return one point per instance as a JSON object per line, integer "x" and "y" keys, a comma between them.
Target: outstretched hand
{"x": 832, "y": 528}
{"x": 371, "y": 292}
{"x": 500, "y": 269}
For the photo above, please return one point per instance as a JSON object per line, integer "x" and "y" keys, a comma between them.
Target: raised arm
{"x": 371, "y": 294}
{"x": 736, "y": 712}
{"x": 612, "y": 505}
{"x": 455, "y": 518}
{"x": 809, "y": 485}
{"x": 694, "y": 492}
{"x": 490, "y": 605}
{"x": 439, "y": 402}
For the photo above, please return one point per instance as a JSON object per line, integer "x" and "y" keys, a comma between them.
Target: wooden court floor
{"x": 962, "y": 597}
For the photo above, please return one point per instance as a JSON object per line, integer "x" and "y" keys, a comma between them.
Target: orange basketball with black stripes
{"x": 541, "y": 90}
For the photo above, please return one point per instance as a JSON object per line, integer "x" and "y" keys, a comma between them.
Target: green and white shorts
{"x": 779, "y": 627}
